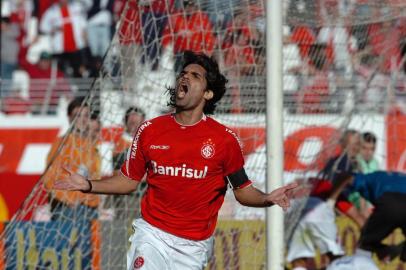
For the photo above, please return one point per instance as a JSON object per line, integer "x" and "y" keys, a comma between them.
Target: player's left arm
{"x": 238, "y": 180}
{"x": 253, "y": 197}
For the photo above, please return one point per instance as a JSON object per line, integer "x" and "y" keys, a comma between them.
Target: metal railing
{"x": 40, "y": 96}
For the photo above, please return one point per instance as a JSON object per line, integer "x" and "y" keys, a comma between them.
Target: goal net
{"x": 343, "y": 68}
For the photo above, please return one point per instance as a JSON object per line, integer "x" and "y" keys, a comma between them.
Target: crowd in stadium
{"x": 333, "y": 50}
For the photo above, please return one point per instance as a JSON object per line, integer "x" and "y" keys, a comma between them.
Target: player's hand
{"x": 281, "y": 196}
{"x": 73, "y": 181}
{"x": 300, "y": 191}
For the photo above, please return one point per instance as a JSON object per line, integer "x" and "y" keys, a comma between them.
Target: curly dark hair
{"x": 216, "y": 81}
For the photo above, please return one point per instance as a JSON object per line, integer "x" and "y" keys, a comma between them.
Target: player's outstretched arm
{"x": 253, "y": 197}
{"x": 117, "y": 184}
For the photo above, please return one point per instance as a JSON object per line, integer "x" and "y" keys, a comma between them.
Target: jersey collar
{"x": 204, "y": 118}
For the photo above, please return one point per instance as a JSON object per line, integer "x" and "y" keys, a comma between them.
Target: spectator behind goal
{"x": 346, "y": 162}
{"x": 365, "y": 158}
{"x": 133, "y": 118}
{"x": 78, "y": 151}
{"x": 124, "y": 205}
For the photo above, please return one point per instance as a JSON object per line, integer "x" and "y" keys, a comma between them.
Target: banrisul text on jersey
{"x": 182, "y": 171}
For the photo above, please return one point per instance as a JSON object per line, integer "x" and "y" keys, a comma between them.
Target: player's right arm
{"x": 117, "y": 184}
{"x": 132, "y": 172}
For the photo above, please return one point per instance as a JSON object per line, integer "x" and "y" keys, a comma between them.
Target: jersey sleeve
{"x": 135, "y": 165}
{"x": 234, "y": 159}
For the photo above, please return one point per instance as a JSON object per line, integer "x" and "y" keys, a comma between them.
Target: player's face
{"x": 367, "y": 150}
{"x": 83, "y": 114}
{"x": 133, "y": 122}
{"x": 191, "y": 88}
{"x": 353, "y": 147}
{"x": 94, "y": 129}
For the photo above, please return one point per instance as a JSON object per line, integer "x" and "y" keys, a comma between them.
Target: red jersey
{"x": 186, "y": 168}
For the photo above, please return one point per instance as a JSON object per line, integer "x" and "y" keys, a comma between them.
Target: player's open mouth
{"x": 182, "y": 89}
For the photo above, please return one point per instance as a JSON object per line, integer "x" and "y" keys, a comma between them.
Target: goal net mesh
{"x": 343, "y": 68}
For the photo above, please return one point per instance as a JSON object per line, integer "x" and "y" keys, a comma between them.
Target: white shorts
{"x": 316, "y": 229}
{"x": 154, "y": 249}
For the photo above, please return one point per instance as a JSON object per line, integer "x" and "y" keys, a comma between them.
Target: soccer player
{"x": 387, "y": 192}
{"x": 189, "y": 159}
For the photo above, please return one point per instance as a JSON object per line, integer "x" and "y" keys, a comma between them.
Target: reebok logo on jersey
{"x": 160, "y": 147}
{"x": 137, "y": 137}
{"x": 182, "y": 171}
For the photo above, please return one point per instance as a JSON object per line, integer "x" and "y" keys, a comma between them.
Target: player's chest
{"x": 185, "y": 147}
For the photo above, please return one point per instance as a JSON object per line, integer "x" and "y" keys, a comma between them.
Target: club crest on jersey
{"x": 138, "y": 262}
{"x": 208, "y": 149}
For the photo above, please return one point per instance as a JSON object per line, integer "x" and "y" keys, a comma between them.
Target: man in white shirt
{"x": 65, "y": 23}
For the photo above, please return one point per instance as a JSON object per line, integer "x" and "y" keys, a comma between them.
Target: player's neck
{"x": 188, "y": 118}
